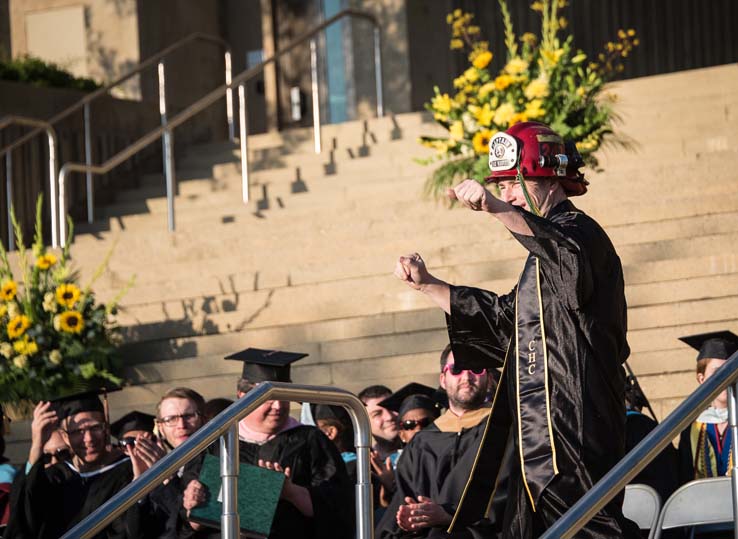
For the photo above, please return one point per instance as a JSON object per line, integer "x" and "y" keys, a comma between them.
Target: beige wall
{"x": 93, "y": 38}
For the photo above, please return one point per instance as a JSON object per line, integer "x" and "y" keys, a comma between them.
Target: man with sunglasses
{"x": 435, "y": 466}
{"x": 559, "y": 335}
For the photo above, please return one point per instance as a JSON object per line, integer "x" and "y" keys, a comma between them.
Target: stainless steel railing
{"x": 624, "y": 471}
{"x": 225, "y": 426}
{"x": 168, "y": 125}
{"x": 51, "y": 135}
{"x": 84, "y": 103}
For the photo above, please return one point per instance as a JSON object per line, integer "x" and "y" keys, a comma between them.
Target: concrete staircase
{"x": 307, "y": 265}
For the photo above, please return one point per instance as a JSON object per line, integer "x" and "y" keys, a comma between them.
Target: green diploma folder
{"x": 258, "y": 493}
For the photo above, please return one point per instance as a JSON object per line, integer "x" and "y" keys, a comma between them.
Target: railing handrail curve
{"x": 641, "y": 455}
{"x": 150, "y": 61}
{"x": 196, "y": 107}
{"x": 218, "y": 426}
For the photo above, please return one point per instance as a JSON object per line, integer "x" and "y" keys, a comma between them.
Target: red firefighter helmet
{"x": 540, "y": 152}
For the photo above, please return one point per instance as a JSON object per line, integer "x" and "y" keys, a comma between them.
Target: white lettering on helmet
{"x": 503, "y": 152}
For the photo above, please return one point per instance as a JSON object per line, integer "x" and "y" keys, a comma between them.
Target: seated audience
{"x": 435, "y": 466}
{"x": 415, "y": 408}
{"x": 128, "y": 427}
{"x": 706, "y": 446}
{"x": 317, "y": 497}
{"x": 56, "y": 498}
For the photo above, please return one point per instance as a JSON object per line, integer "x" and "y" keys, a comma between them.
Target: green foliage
{"x": 35, "y": 71}
{"x": 545, "y": 79}
{"x": 54, "y": 338}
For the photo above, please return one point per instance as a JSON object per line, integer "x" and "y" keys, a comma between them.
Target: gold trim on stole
{"x": 545, "y": 367}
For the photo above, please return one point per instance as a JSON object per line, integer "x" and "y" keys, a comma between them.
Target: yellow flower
{"x": 631, "y": 32}
{"x": 55, "y": 357}
{"x": 518, "y": 117}
{"x": 516, "y": 66}
{"x": 534, "y": 109}
{"x": 460, "y": 81}
{"x": 471, "y": 75}
{"x": 6, "y": 350}
{"x": 482, "y": 60}
{"x": 504, "y": 114}
{"x": 67, "y": 295}
{"x": 457, "y": 13}
{"x": 21, "y": 362}
{"x": 503, "y": 81}
{"x": 537, "y": 6}
{"x": 49, "y": 303}
{"x": 25, "y": 346}
{"x": 580, "y": 91}
{"x": 13, "y": 310}
{"x": 44, "y": 262}
{"x": 484, "y": 115}
{"x": 3, "y": 310}
{"x": 456, "y": 43}
{"x": 18, "y": 326}
{"x": 579, "y": 58}
{"x": 456, "y": 130}
{"x": 480, "y": 141}
{"x": 486, "y": 89}
{"x": 529, "y": 39}
{"x": 621, "y": 34}
{"x": 552, "y": 56}
{"x": 8, "y": 290}
{"x": 441, "y": 103}
{"x": 537, "y": 88}
{"x": 71, "y": 322}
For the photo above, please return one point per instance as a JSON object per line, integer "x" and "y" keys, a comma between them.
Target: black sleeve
{"x": 562, "y": 248}
{"x": 330, "y": 489}
{"x": 479, "y": 326}
{"x": 686, "y": 458}
{"x": 387, "y": 527}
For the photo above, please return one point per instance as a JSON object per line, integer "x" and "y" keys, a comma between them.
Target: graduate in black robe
{"x": 318, "y": 498}
{"x": 54, "y": 499}
{"x": 560, "y": 335}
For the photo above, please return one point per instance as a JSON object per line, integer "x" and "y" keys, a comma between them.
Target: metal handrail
{"x": 85, "y": 102}
{"x": 225, "y": 426}
{"x": 41, "y": 125}
{"x": 166, "y": 128}
{"x": 624, "y": 471}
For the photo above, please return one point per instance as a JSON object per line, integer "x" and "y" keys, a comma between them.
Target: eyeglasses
{"x": 410, "y": 424}
{"x": 60, "y": 455}
{"x": 456, "y": 371}
{"x": 95, "y": 430}
{"x": 171, "y": 420}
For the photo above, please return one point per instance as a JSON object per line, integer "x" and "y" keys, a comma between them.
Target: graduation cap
{"x": 327, "y": 411}
{"x": 715, "y": 345}
{"x": 132, "y": 421}
{"x": 266, "y": 365}
{"x": 410, "y": 397}
{"x": 86, "y": 401}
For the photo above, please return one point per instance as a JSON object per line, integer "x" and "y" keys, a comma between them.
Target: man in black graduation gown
{"x": 434, "y": 468}
{"x": 56, "y": 498}
{"x": 317, "y": 500}
{"x": 560, "y": 334}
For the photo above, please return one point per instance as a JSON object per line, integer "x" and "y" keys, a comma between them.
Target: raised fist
{"x": 471, "y": 194}
{"x": 412, "y": 270}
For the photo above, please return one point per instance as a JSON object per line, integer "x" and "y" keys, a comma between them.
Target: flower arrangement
{"x": 54, "y": 338}
{"x": 544, "y": 79}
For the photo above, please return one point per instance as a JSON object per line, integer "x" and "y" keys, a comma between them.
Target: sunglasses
{"x": 411, "y": 424}
{"x": 60, "y": 455}
{"x": 127, "y": 441}
{"x": 456, "y": 371}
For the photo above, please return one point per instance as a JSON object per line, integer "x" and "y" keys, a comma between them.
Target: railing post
{"x": 733, "y": 419}
{"x": 229, "y": 466}
{"x": 62, "y": 207}
{"x": 167, "y": 152}
{"x": 9, "y": 199}
{"x": 364, "y": 498}
{"x": 243, "y": 140}
{"x": 378, "y": 71}
{"x": 315, "y": 92}
{"x": 229, "y": 97}
{"x": 88, "y": 162}
{"x": 52, "y": 188}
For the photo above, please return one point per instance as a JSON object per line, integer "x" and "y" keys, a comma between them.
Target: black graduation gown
{"x": 661, "y": 473}
{"x": 57, "y": 498}
{"x": 436, "y": 464}
{"x": 561, "y": 334}
{"x": 317, "y": 465}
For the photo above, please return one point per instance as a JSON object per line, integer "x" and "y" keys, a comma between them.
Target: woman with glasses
{"x": 415, "y": 407}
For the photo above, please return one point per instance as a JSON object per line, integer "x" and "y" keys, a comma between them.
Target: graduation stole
{"x": 705, "y": 455}
{"x": 535, "y": 431}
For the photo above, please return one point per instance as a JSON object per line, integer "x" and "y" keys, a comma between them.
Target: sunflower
{"x": 71, "y": 322}
{"x": 44, "y": 262}
{"x": 18, "y": 326}
{"x": 8, "y": 290}
{"x": 481, "y": 141}
{"x": 67, "y": 295}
